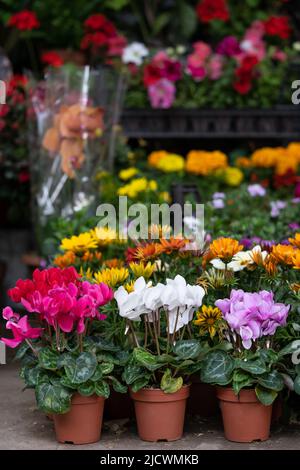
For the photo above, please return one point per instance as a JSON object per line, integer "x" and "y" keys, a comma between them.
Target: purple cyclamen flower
{"x": 162, "y": 94}
{"x": 229, "y": 46}
{"x": 253, "y": 315}
{"x": 256, "y": 190}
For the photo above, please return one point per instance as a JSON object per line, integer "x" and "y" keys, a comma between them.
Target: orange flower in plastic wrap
{"x": 71, "y": 126}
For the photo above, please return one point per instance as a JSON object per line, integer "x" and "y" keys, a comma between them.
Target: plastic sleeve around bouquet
{"x": 76, "y": 114}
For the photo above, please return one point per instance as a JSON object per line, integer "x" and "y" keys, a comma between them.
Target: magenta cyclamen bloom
{"x": 21, "y": 331}
{"x": 253, "y": 315}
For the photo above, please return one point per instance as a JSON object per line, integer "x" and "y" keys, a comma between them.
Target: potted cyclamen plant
{"x": 249, "y": 372}
{"x": 165, "y": 353}
{"x": 61, "y": 361}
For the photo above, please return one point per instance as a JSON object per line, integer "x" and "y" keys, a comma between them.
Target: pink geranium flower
{"x": 162, "y": 94}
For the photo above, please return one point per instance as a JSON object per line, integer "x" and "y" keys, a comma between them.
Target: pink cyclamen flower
{"x": 21, "y": 331}
{"x": 253, "y": 315}
{"x": 162, "y": 94}
{"x": 9, "y": 314}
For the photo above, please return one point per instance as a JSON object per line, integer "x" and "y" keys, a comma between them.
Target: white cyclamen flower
{"x": 131, "y": 304}
{"x": 134, "y": 53}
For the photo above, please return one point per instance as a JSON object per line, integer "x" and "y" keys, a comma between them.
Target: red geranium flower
{"x": 278, "y": 26}
{"x": 152, "y": 73}
{"x": 52, "y": 58}
{"x": 95, "y": 22}
{"x": 24, "y": 20}
{"x": 245, "y": 74}
{"x": 208, "y": 10}
{"x": 289, "y": 178}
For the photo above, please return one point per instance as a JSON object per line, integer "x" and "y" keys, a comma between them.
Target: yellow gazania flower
{"x": 214, "y": 278}
{"x": 233, "y": 176}
{"x": 296, "y": 260}
{"x": 207, "y": 319}
{"x": 65, "y": 260}
{"x": 112, "y": 276}
{"x": 171, "y": 163}
{"x": 200, "y": 162}
{"x": 154, "y": 157}
{"x": 129, "y": 286}
{"x": 295, "y": 241}
{"x": 78, "y": 244}
{"x": 158, "y": 231}
{"x": 141, "y": 269}
{"x": 283, "y": 254}
{"x": 88, "y": 274}
{"x": 128, "y": 173}
{"x": 104, "y": 235}
{"x": 295, "y": 287}
{"x": 224, "y": 248}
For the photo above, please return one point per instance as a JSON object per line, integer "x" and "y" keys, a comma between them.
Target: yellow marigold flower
{"x": 283, "y": 254}
{"x": 204, "y": 163}
{"x": 141, "y": 269}
{"x": 101, "y": 175}
{"x": 78, "y": 244}
{"x": 154, "y": 157}
{"x": 224, "y": 248}
{"x": 296, "y": 260}
{"x": 295, "y": 241}
{"x": 65, "y": 260}
{"x": 171, "y": 163}
{"x": 128, "y": 173}
{"x": 243, "y": 162}
{"x": 233, "y": 176}
{"x": 137, "y": 186}
{"x": 165, "y": 197}
{"x": 112, "y": 276}
{"x": 207, "y": 318}
{"x": 152, "y": 185}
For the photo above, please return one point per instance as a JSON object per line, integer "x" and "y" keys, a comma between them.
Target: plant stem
{"x": 146, "y": 332}
{"x": 156, "y": 337}
{"x": 176, "y": 321}
{"x": 133, "y": 334}
{"x": 168, "y": 328}
{"x": 31, "y": 347}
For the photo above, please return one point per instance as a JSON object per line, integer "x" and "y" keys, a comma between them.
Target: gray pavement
{"x": 25, "y": 427}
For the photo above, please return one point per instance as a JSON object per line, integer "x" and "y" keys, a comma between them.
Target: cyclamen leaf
{"x": 53, "y": 398}
{"x": 48, "y": 359}
{"x": 87, "y": 389}
{"x": 256, "y": 367}
{"x": 273, "y": 381}
{"x": 81, "y": 369}
{"x": 140, "y": 383}
{"x": 297, "y": 385}
{"x": 265, "y": 396}
{"x": 117, "y": 386}
{"x": 187, "y": 349}
{"x": 102, "y": 389}
{"x": 217, "y": 368}
{"x": 170, "y": 384}
{"x": 146, "y": 359}
{"x": 106, "y": 367}
{"x": 132, "y": 373}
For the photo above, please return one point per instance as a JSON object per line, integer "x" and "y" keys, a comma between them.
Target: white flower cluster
{"x": 176, "y": 298}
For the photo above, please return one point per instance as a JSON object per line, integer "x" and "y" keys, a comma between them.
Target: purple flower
{"x": 162, "y": 94}
{"x": 294, "y": 226}
{"x": 266, "y": 245}
{"x": 256, "y": 190}
{"x": 253, "y": 315}
{"x": 218, "y": 196}
{"x": 228, "y": 46}
{"x": 296, "y": 200}
{"x": 276, "y": 207}
{"x": 218, "y": 203}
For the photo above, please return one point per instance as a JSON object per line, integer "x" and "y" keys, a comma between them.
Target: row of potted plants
{"x": 229, "y": 318}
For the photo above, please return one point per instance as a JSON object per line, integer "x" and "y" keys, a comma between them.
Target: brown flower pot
{"x": 82, "y": 424}
{"x": 159, "y": 415}
{"x": 245, "y": 419}
{"x": 202, "y": 400}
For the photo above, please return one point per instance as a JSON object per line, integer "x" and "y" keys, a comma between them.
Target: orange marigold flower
{"x": 204, "y": 163}
{"x": 172, "y": 244}
{"x": 65, "y": 260}
{"x": 295, "y": 241}
{"x": 154, "y": 157}
{"x": 224, "y": 248}
{"x": 282, "y": 254}
{"x": 243, "y": 162}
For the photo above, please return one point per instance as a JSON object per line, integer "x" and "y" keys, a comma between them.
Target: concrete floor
{"x": 24, "y": 427}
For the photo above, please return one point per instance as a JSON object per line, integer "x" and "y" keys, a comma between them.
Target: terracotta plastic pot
{"x": 159, "y": 415}
{"x": 245, "y": 419}
{"x": 83, "y": 423}
{"x": 202, "y": 400}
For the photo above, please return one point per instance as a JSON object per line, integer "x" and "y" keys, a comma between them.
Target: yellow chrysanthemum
{"x": 171, "y": 163}
{"x": 141, "y": 269}
{"x": 128, "y": 173}
{"x": 112, "y": 277}
{"x": 78, "y": 244}
{"x": 207, "y": 319}
{"x": 154, "y": 157}
{"x": 200, "y": 162}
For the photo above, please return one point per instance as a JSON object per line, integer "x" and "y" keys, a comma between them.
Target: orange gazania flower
{"x": 296, "y": 259}
{"x": 270, "y": 265}
{"x": 65, "y": 260}
{"x": 172, "y": 244}
{"x": 88, "y": 256}
{"x": 295, "y": 241}
{"x": 224, "y": 248}
{"x": 282, "y": 254}
{"x": 148, "y": 251}
{"x": 114, "y": 263}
